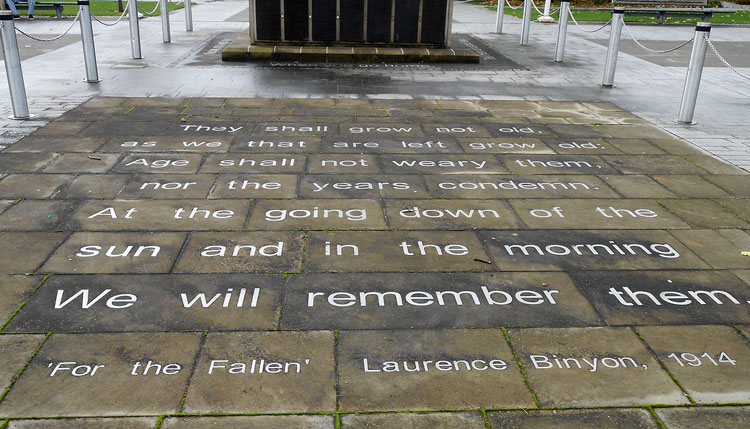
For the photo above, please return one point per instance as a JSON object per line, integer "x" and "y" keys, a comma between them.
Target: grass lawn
{"x": 101, "y": 8}
{"x": 741, "y": 17}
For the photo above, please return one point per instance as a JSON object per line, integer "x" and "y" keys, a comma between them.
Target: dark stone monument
{"x": 412, "y": 23}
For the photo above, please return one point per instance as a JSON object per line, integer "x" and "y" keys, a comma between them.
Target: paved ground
{"x": 647, "y": 89}
{"x": 348, "y": 246}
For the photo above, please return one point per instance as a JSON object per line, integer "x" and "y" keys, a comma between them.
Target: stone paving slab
{"x": 128, "y": 303}
{"x": 706, "y": 214}
{"x": 31, "y": 215}
{"x": 595, "y": 366}
{"x": 560, "y": 164}
{"x": 362, "y": 186}
{"x": 414, "y": 420}
{"x": 703, "y": 359}
{"x": 361, "y": 263}
{"x": 23, "y": 252}
{"x": 450, "y": 214}
{"x": 86, "y": 423}
{"x": 99, "y": 252}
{"x": 589, "y": 250}
{"x": 722, "y": 248}
{"x": 316, "y": 214}
{"x": 158, "y": 186}
{"x": 290, "y": 372}
{"x": 679, "y": 418}
{"x": 639, "y": 186}
{"x": 158, "y": 163}
{"x": 14, "y": 291}
{"x": 159, "y": 215}
{"x": 395, "y": 251}
{"x": 571, "y": 419}
{"x": 82, "y": 163}
{"x": 16, "y": 352}
{"x": 144, "y": 144}
{"x": 737, "y": 186}
{"x": 259, "y": 422}
{"x": 691, "y": 186}
{"x": 246, "y": 252}
{"x": 32, "y": 185}
{"x": 70, "y": 144}
{"x": 92, "y": 186}
{"x": 453, "y": 369}
{"x": 390, "y": 301}
{"x": 665, "y": 298}
{"x": 95, "y": 375}
{"x": 25, "y": 162}
{"x": 526, "y": 186}
{"x": 599, "y": 213}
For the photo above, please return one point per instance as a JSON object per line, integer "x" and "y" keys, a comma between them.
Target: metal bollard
{"x": 135, "y": 32}
{"x": 87, "y": 40}
{"x": 526, "y": 22}
{"x": 695, "y": 70}
{"x": 165, "y": 34}
{"x": 188, "y": 16}
{"x": 614, "y": 46}
{"x": 562, "y": 30}
{"x": 13, "y": 66}
{"x": 500, "y": 17}
{"x": 546, "y": 18}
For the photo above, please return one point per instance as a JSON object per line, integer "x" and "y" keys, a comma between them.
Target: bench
{"x": 662, "y": 9}
{"x": 57, "y": 6}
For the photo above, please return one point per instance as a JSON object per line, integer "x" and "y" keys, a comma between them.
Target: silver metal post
{"x": 188, "y": 16}
{"x": 562, "y": 30}
{"x": 546, "y": 18}
{"x": 526, "y": 22}
{"x": 500, "y": 17}
{"x": 614, "y": 46}
{"x": 166, "y": 37}
{"x": 695, "y": 70}
{"x": 87, "y": 39}
{"x": 135, "y": 32}
{"x": 13, "y": 66}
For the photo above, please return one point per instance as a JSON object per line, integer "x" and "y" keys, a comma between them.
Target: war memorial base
{"x": 253, "y": 262}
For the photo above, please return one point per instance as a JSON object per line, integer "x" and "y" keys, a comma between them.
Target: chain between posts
{"x": 655, "y": 50}
{"x": 573, "y": 18}
{"x": 38, "y": 39}
{"x": 513, "y": 7}
{"x": 124, "y": 12}
{"x": 542, "y": 13}
{"x": 153, "y": 12}
{"x": 725, "y": 62}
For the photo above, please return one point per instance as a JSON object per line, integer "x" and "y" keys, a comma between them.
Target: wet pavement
{"x": 340, "y": 246}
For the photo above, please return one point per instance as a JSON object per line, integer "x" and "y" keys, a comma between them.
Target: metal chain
{"x": 78, "y": 15}
{"x": 713, "y": 48}
{"x": 655, "y": 50}
{"x": 542, "y": 13}
{"x": 153, "y": 12}
{"x": 513, "y": 7}
{"x": 118, "y": 19}
{"x": 177, "y": 2}
{"x": 573, "y": 18}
